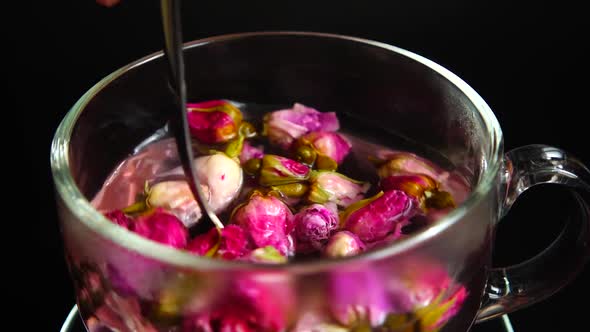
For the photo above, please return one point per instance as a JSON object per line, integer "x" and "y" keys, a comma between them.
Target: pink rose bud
{"x": 426, "y": 290}
{"x": 266, "y": 254}
{"x": 205, "y": 244}
{"x": 251, "y": 152}
{"x": 218, "y": 321}
{"x": 422, "y": 188}
{"x": 313, "y": 226}
{"x": 330, "y": 144}
{"x": 267, "y": 221}
{"x": 359, "y": 298}
{"x": 246, "y": 305}
{"x": 163, "y": 227}
{"x": 335, "y": 188}
{"x": 285, "y": 126}
{"x": 213, "y": 122}
{"x": 220, "y": 177}
{"x": 233, "y": 243}
{"x": 120, "y": 218}
{"x": 450, "y": 307}
{"x": 373, "y": 219}
{"x": 277, "y": 170}
{"x": 343, "y": 244}
{"x": 402, "y": 163}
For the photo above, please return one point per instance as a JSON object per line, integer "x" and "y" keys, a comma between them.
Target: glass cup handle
{"x": 511, "y": 288}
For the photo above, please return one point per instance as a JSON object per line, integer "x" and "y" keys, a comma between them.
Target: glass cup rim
{"x": 83, "y": 211}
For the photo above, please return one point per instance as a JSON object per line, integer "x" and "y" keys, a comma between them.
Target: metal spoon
{"x": 178, "y": 122}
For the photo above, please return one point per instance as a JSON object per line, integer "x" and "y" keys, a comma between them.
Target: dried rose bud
{"x": 220, "y": 178}
{"x": 285, "y": 126}
{"x": 426, "y": 290}
{"x": 421, "y": 187}
{"x": 412, "y": 184}
{"x": 235, "y": 147}
{"x": 291, "y": 190}
{"x": 233, "y": 243}
{"x": 447, "y": 309}
{"x": 358, "y": 298}
{"x": 110, "y": 317}
{"x": 205, "y": 244}
{"x": 266, "y": 254}
{"x": 277, "y": 170}
{"x": 249, "y": 303}
{"x": 313, "y": 226}
{"x": 163, "y": 227}
{"x": 251, "y": 152}
{"x": 330, "y": 144}
{"x": 214, "y": 121}
{"x": 406, "y": 163}
{"x": 268, "y": 222}
{"x": 336, "y": 188}
{"x": 374, "y": 218}
{"x": 343, "y": 244}
{"x": 120, "y": 218}
{"x": 177, "y": 198}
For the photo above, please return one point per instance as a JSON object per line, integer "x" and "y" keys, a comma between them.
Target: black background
{"x": 527, "y": 60}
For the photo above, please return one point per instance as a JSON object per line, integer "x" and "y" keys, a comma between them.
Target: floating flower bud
{"x": 313, "y": 226}
{"x": 251, "y": 152}
{"x": 267, "y": 221}
{"x": 374, "y": 218}
{"x": 446, "y": 310}
{"x": 266, "y": 254}
{"x": 220, "y": 178}
{"x": 421, "y": 187}
{"x": 163, "y": 227}
{"x": 233, "y": 243}
{"x": 247, "y": 305}
{"x": 427, "y": 291}
{"x": 343, "y": 244}
{"x": 285, "y": 126}
{"x": 277, "y": 170}
{"x": 334, "y": 187}
{"x": 330, "y": 144}
{"x": 412, "y": 184}
{"x": 177, "y": 198}
{"x": 406, "y": 163}
{"x": 120, "y": 218}
{"x": 235, "y": 147}
{"x": 325, "y": 163}
{"x": 252, "y": 166}
{"x": 439, "y": 200}
{"x": 205, "y": 244}
{"x": 291, "y": 190}
{"x": 306, "y": 154}
{"x": 358, "y": 298}
{"x": 117, "y": 313}
{"x": 214, "y": 121}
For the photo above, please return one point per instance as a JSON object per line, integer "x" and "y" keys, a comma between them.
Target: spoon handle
{"x": 178, "y": 119}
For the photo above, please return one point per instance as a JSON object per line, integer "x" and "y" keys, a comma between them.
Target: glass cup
{"x": 438, "y": 279}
